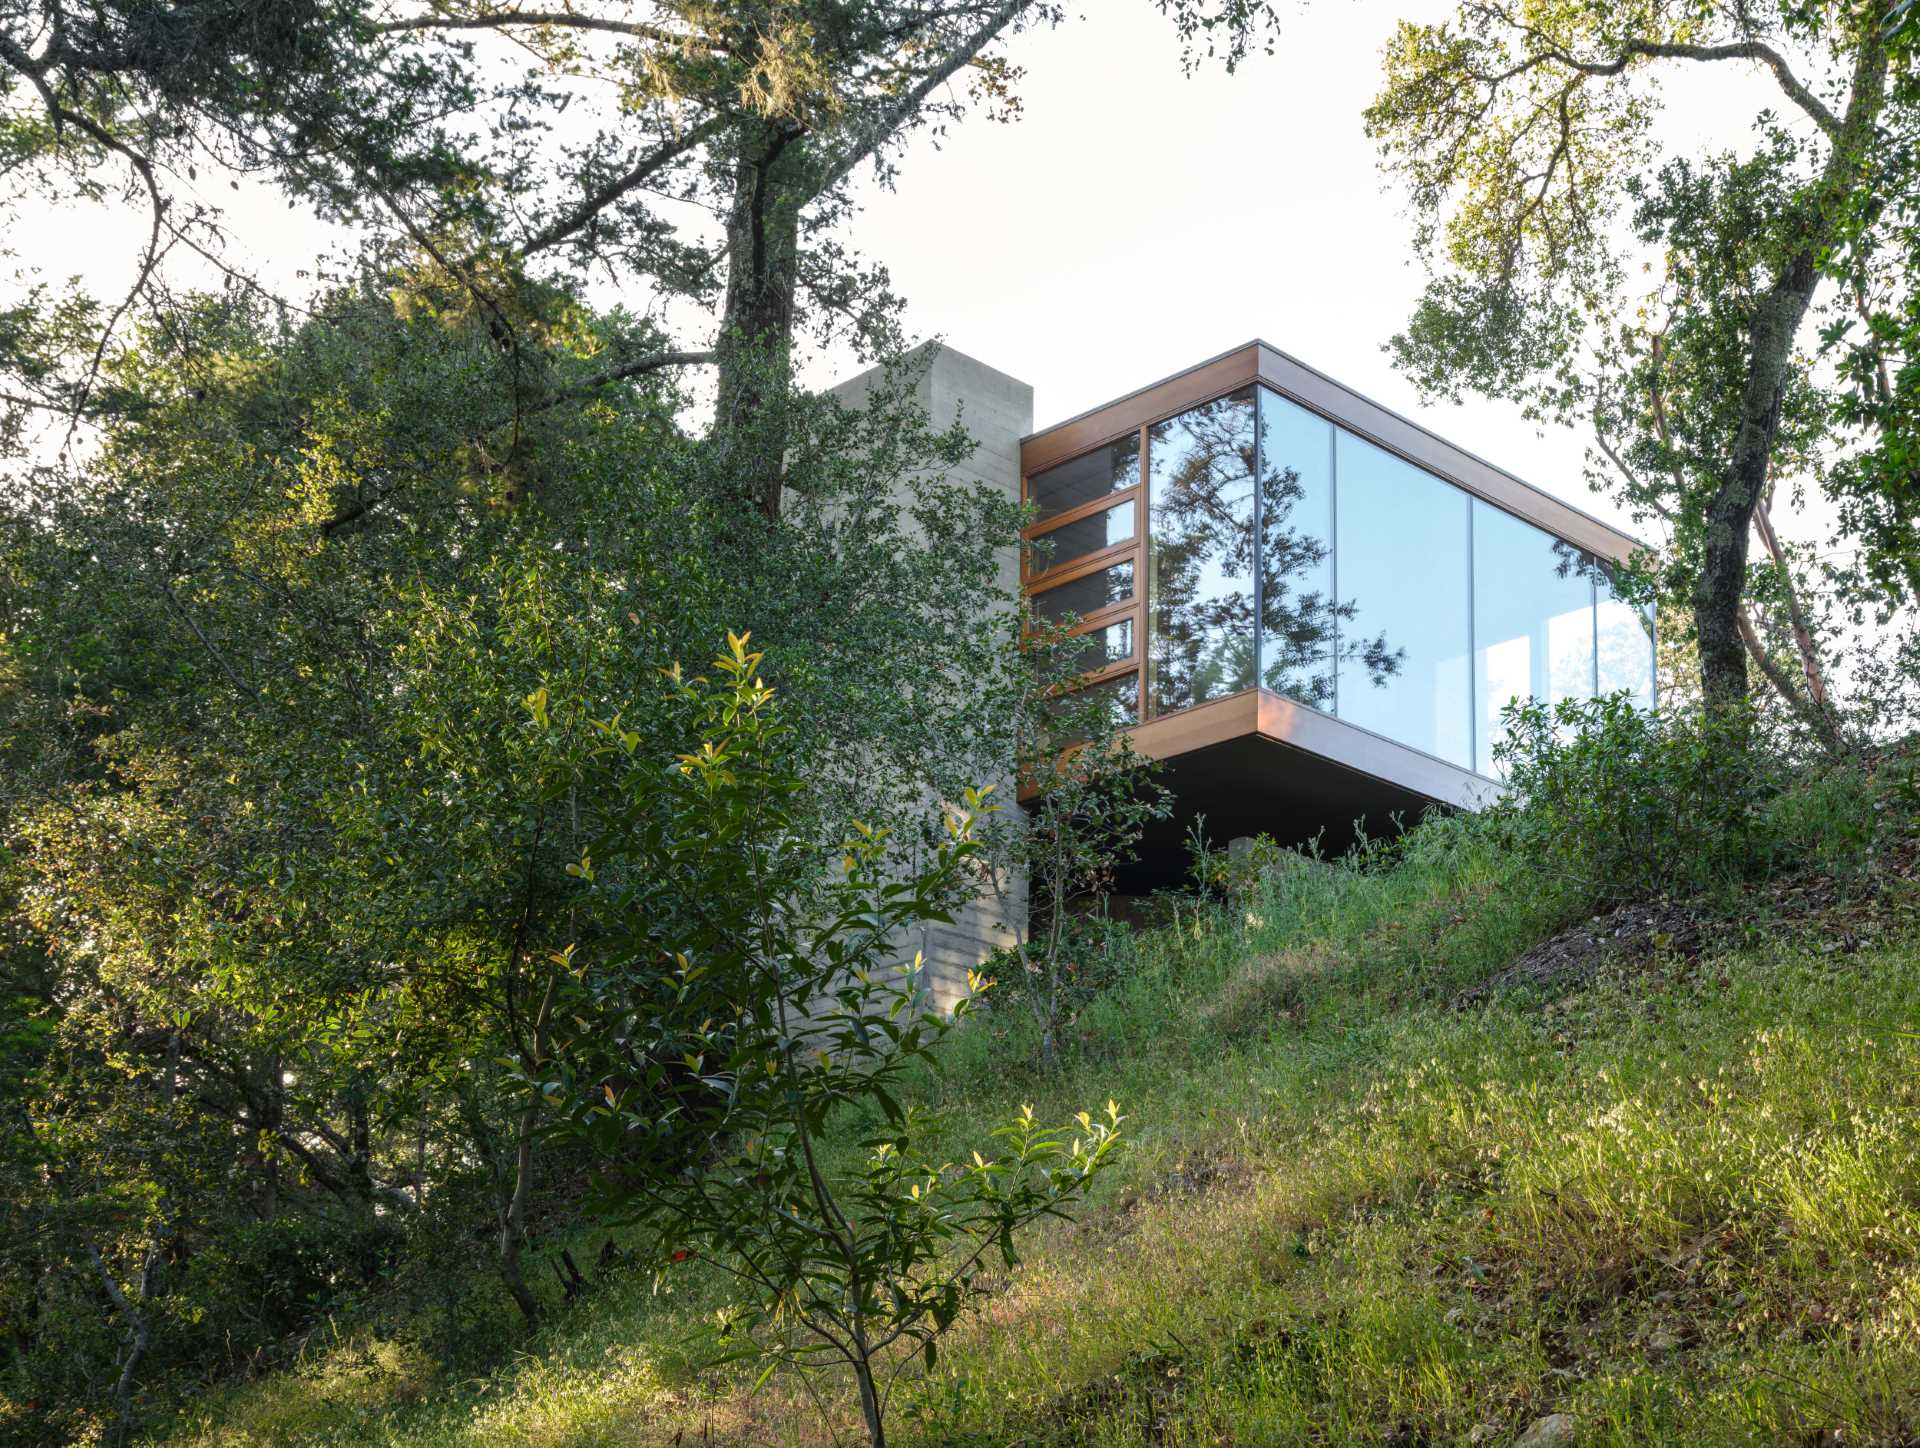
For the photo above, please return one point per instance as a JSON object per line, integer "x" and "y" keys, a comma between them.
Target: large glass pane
{"x": 1089, "y": 476}
{"x": 1086, "y": 594}
{"x": 1200, "y": 588}
{"x": 1403, "y": 562}
{"x": 1298, "y": 623}
{"x": 1626, "y": 645}
{"x": 1084, "y": 536}
{"x": 1532, "y": 621}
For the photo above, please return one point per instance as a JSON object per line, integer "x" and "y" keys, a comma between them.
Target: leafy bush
{"x": 1089, "y": 799}
{"x": 1089, "y": 954}
{"x": 1623, "y": 804}
{"x": 262, "y": 1281}
{"x": 724, "y": 1025}
{"x": 1834, "y": 816}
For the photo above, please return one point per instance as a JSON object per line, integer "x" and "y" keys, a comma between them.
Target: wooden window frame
{"x": 1133, "y": 550}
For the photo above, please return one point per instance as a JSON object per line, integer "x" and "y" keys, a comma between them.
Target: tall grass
{"x": 1680, "y": 1202}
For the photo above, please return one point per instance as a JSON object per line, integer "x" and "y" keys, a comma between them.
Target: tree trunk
{"x": 139, "y": 1329}
{"x": 1723, "y": 575}
{"x": 1777, "y": 316}
{"x": 755, "y": 348}
{"x": 513, "y": 1187}
{"x": 508, "y": 1223}
{"x": 360, "y": 1138}
{"x": 271, "y": 1121}
{"x": 138, "y": 1336}
{"x": 870, "y": 1404}
{"x": 513, "y": 1219}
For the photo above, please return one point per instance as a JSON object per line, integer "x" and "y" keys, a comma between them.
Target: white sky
{"x": 1132, "y": 223}
{"x": 1135, "y": 222}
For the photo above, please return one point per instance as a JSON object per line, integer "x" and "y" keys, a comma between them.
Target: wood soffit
{"x": 1259, "y": 361}
{"x": 1266, "y": 715}
{"x": 1331, "y": 742}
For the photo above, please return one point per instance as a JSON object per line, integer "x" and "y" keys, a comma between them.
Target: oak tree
{"x": 1606, "y": 272}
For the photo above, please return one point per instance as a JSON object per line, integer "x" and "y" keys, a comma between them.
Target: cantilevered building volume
{"x": 1313, "y": 609}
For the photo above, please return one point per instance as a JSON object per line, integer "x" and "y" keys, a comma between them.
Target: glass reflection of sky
{"x": 1532, "y": 621}
{"x": 1626, "y": 647}
{"x": 1299, "y": 624}
{"x": 1385, "y": 594}
{"x": 1403, "y": 557}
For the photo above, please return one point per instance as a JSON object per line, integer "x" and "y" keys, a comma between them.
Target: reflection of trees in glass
{"x": 1204, "y": 639}
{"x": 1089, "y": 476}
{"x": 1086, "y": 594}
{"x": 1572, "y": 562}
{"x": 1104, "y": 646}
{"x": 1304, "y": 631}
{"x": 1077, "y": 716}
{"x": 1201, "y": 464}
{"x": 1300, "y": 621}
{"x": 1062, "y": 545}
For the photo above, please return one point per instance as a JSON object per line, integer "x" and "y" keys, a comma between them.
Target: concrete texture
{"x": 997, "y": 411}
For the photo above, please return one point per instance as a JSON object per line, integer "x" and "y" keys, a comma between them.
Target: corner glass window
{"x": 1087, "y": 594}
{"x": 1081, "y": 537}
{"x": 1298, "y": 623}
{"x": 1532, "y": 621}
{"x": 1200, "y": 585}
{"x": 1625, "y": 639}
{"x": 1403, "y": 557}
{"x": 1082, "y": 479}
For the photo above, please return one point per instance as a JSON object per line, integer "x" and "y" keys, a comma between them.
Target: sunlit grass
{"x": 1682, "y": 1205}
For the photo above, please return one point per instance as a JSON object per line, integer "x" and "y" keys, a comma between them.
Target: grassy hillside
{"x": 1664, "y": 1180}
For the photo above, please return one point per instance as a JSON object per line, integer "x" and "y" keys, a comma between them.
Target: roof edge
{"x": 1260, "y": 344}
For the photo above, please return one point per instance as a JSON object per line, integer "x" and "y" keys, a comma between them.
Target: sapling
{"x": 752, "y": 999}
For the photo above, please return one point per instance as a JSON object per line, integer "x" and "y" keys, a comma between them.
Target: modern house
{"x": 1312, "y": 608}
{"x": 1315, "y": 608}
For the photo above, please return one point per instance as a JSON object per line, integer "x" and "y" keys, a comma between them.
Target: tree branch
{"x": 1791, "y": 84}
{"x": 553, "y": 19}
{"x": 654, "y": 362}
{"x": 1818, "y": 719}
{"x": 1802, "y": 631}
{"x": 874, "y": 133}
{"x": 582, "y": 216}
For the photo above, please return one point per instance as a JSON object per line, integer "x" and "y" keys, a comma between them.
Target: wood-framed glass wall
{"x": 1248, "y": 541}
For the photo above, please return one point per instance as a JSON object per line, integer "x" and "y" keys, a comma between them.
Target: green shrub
{"x": 1623, "y": 804}
{"x": 722, "y": 1029}
{"x": 264, "y": 1281}
{"x": 1834, "y": 816}
{"x": 1094, "y": 952}
{"x": 1259, "y": 865}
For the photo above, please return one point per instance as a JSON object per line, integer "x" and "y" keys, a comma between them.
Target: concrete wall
{"x": 997, "y": 411}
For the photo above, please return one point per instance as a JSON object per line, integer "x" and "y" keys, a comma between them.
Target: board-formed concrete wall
{"x": 997, "y": 411}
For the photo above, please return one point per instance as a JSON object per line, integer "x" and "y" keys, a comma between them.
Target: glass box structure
{"x": 1259, "y": 556}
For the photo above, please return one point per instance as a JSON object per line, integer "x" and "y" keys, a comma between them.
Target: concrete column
{"x": 997, "y": 411}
